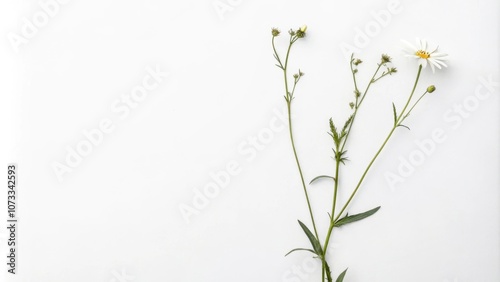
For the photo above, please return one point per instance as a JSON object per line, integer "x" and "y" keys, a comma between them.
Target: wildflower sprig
{"x": 294, "y": 35}
{"x": 340, "y": 137}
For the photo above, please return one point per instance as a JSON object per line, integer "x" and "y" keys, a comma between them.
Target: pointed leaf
{"x": 355, "y": 217}
{"x": 300, "y": 249}
{"x": 395, "y": 114}
{"x": 322, "y": 176}
{"x": 341, "y": 276}
{"x": 347, "y": 123}
{"x": 402, "y": 125}
{"x": 333, "y": 130}
{"x": 314, "y": 241}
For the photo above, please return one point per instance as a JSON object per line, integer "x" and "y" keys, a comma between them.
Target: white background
{"x": 116, "y": 216}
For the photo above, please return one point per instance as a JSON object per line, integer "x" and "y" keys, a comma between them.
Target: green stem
{"x": 354, "y": 75}
{"x": 382, "y": 75}
{"x": 411, "y": 109}
{"x": 289, "y": 98}
{"x": 300, "y": 169}
{"x": 337, "y": 165}
{"x": 323, "y": 264}
{"x": 398, "y": 122}
{"x": 276, "y": 54}
{"x": 330, "y": 228}
{"x": 412, "y": 92}
{"x": 358, "y": 105}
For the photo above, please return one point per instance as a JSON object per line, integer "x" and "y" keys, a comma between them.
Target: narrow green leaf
{"x": 332, "y": 126}
{"x": 341, "y": 276}
{"x": 355, "y": 217}
{"x": 333, "y": 130}
{"x": 322, "y": 176}
{"x": 395, "y": 114}
{"x": 342, "y": 135}
{"x": 402, "y": 125}
{"x": 300, "y": 249}
{"x": 314, "y": 241}
{"x": 348, "y": 121}
{"x": 342, "y": 160}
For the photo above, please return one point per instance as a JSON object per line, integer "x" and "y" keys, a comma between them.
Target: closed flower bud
{"x": 301, "y": 32}
{"x": 386, "y": 59}
{"x": 275, "y": 32}
{"x": 431, "y": 89}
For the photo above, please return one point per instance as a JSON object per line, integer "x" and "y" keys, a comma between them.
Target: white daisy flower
{"x": 424, "y": 56}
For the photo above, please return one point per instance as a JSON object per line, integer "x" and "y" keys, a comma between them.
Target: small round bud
{"x": 275, "y": 32}
{"x": 295, "y": 76}
{"x": 351, "y": 105}
{"x": 357, "y": 62}
{"x": 431, "y": 89}
{"x": 301, "y": 32}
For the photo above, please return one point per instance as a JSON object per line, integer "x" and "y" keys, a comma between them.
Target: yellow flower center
{"x": 423, "y": 54}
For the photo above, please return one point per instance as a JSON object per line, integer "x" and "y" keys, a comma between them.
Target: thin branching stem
{"x": 398, "y": 123}
{"x": 359, "y": 101}
{"x": 411, "y": 109}
{"x": 289, "y": 98}
{"x": 358, "y": 104}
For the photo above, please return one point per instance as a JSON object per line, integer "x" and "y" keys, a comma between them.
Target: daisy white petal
{"x": 424, "y": 56}
{"x": 440, "y": 55}
{"x": 409, "y": 48}
{"x": 439, "y": 63}
{"x": 423, "y": 62}
{"x": 434, "y": 64}
{"x": 408, "y": 44}
{"x": 432, "y": 67}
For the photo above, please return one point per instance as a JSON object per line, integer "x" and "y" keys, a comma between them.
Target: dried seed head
{"x": 385, "y": 59}
{"x": 275, "y": 32}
